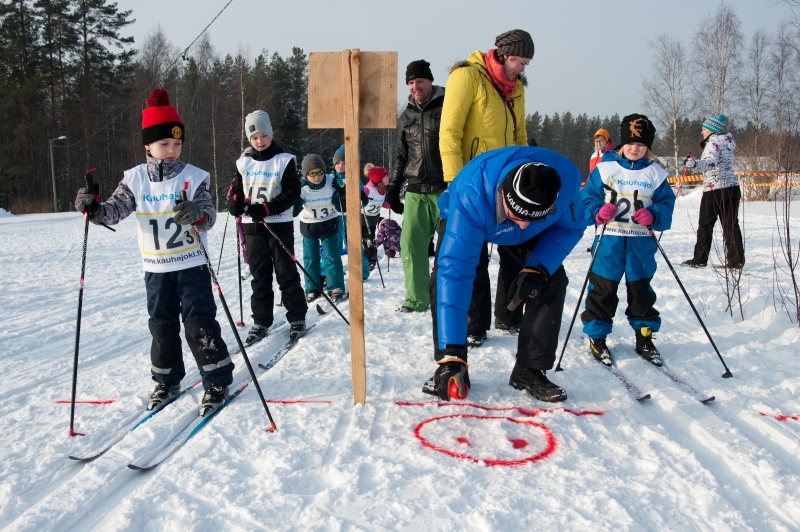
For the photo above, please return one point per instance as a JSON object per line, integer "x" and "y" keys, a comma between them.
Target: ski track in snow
{"x": 667, "y": 463}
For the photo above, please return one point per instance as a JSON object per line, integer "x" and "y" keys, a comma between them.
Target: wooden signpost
{"x": 351, "y": 90}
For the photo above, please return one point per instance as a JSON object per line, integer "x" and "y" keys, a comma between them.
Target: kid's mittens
{"x": 257, "y": 211}
{"x": 606, "y": 213}
{"x": 691, "y": 162}
{"x": 644, "y": 217}
{"x": 236, "y": 204}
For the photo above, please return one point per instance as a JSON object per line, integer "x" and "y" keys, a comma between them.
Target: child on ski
{"x": 265, "y": 188}
{"x": 319, "y": 224}
{"x": 375, "y": 191}
{"x": 176, "y": 278}
{"x": 627, "y": 246}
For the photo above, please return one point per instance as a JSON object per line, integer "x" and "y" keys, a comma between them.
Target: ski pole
{"x": 680, "y": 184}
{"x": 224, "y": 232}
{"x": 272, "y": 426}
{"x": 291, "y": 256}
{"x": 90, "y": 186}
{"x": 372, "y": 237}
{"x": 585, "y": 282}
{"x": 239, "y": 274}
{"x": 638, "y": 204}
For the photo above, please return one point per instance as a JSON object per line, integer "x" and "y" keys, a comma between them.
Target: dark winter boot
{"x": 476, "y": 340}
{"x": 297, "y": 329}
{"x": 645, "y": 347}
{"x": 213, "y": 398}
{"x": 405, "y": 310}
{"x": 312, "y": 295}
{"x": 694, "y": 264}
{"x": 600, "y": 351}
{"x": 536, "y": 383}
{"x": 257, "y": 332}
{"x": 502, "y": 326}
{"x": 164, "y": 393}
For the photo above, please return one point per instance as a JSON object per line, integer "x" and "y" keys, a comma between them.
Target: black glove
{"x": 452, "y": 379}
{"x": 89, "y": 201}
{"x": 529, "y": 284}
{"x": 236, "y": 204}
{"x": 187, "y": 212}
{"x": 394, "y": 202}
{"x": 257, "y": 211}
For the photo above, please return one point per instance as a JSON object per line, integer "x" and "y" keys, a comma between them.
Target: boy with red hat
{"x": 177, "y": 280}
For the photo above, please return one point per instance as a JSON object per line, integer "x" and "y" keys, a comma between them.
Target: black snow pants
{"x": 722, "y": 203}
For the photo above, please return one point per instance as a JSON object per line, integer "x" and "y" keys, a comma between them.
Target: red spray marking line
{"x": 781, "y": 417}
{"x": 87, "y": 402}
{"x": 522, "y": 410}
{"x": 297, "y": 401}
{"x": 492, "y": 462}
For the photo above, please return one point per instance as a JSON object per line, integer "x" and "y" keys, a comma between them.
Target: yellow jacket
{"x": 474, "y": 118}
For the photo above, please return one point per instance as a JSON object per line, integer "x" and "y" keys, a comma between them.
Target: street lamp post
{"x": 53, "y": 172}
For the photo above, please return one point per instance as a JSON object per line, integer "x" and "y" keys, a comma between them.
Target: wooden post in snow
{"x": 352, "y": 90}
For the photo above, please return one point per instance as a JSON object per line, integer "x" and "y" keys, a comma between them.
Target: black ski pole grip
{"x": 89, "y": 180}
{"x": 183, "y": 197}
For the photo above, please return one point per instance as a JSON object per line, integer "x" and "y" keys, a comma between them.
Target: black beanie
{"x": 515, "y": 42}
{"x": 637, "y": 128}
{"x": 530, "y": 191}
{"x": 418, "y": 69}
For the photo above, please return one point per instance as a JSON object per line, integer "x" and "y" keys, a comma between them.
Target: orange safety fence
{"x": 697, "y": 178}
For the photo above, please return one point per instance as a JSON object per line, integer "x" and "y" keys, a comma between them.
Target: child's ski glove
{"x": 644, "y": 217}
{"x": 89, "y": 201}
{"x": 188, "y": 213}
{"x": 236, "y": 204}
{"x": 691, "y": 162}
{"x": 257, "y": 211}
{"x": 606, "y": 213}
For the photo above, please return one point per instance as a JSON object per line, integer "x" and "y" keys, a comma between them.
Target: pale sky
{"x": 590, "y": 56}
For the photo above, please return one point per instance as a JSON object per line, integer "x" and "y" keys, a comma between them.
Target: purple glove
{"x": 644, "y": 217}
{"x": 606, "y": 213}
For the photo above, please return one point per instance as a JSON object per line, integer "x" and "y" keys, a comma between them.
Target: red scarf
{"x": 498, "y": 75}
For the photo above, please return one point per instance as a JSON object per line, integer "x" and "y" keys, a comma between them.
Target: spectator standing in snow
{"x": 264, "y": 189}
{"x": 484, "y": 110}
{"x": 516, "y": 196}
{"x": 721, "y": 195}
{"x": 176, "y": 278}
{"x": 602, "y": 144}
{"x": 319, "y": 225}
{"x": 627, "y": 246}
{"x": 418, "y": 164}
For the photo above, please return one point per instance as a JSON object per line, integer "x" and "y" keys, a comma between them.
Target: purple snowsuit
{"x": 388, "y": 235}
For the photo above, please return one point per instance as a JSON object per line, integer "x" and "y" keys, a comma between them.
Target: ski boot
{"x": 502, "y": 326}
{"x": 257, "y": 332}
{"x": 693, "y": 263}
{"x": 476, "y": 340}
{"x": 164, "y": 393}
{"x": 213, "y": 398}
{"x": 536, "y": 383}
{"x": 600, "y": 351}
{"x": 297, "y": 329}
{"x": 645, "y": 347}
{"x": 336, "y": 295}
{"x": 312, "y": 295}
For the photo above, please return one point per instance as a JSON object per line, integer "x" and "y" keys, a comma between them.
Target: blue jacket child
{"x": 627, "y": 246}
{"x": 543, "y": 209}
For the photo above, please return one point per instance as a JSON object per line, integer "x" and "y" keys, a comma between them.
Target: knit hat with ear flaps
{"x": 515, "y": 42}
{"x": 257, "y": 122}
{"x": 312, "y": 160}
{"x": 715, "y": 124}
{"x": 530, "y": 191}
{"x": 377, "y": 173}
{"x": 160, "y": 120}
{"x": 637, "y": 128}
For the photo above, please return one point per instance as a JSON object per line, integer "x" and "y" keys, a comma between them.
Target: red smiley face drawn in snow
{"x": 491, "y": 440}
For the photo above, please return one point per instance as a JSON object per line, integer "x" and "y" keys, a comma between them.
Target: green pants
{"x": 420, "y": 221}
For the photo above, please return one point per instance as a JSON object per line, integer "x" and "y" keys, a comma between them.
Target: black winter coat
{"x": 417, "y": 158}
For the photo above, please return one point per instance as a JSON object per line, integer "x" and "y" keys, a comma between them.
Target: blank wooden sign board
{"x": 353, "y": 89}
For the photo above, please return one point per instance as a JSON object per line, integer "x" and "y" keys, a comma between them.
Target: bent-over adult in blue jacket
{"x": 509, "y": 196}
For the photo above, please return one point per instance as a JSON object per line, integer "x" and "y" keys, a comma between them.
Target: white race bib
{"x": 262, "y": 182}
{"x": 629, "y": 183}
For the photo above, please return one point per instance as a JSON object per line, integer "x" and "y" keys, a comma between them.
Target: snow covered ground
{"x": 599, "y": 461}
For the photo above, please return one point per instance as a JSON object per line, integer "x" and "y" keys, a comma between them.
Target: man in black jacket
{"x": 265, "y": 188}
{"x": 417, "y": 161}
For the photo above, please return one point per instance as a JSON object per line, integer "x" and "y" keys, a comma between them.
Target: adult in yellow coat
{"x": 484, "y": 109}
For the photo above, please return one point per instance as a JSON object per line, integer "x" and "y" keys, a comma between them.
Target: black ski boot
{"x": 336, "y": 295}
{"x": 536, "y": 383}
{"x": 600, "y": 351}
{"x": 257, "y": 332}
{"x": 312, "y": 295}
{"x": 213, "y": 398}
{"x": 297, "y": 329}
{"x": 503, "y": 326}
{"x": 645, "y": 347}
{"x": 164, "y": 393}
{"x": 476, "y": 340}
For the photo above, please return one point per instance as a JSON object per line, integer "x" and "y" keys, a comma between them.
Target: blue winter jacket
{"x": 470, "y": 207}
{"x": 594, "y": 195}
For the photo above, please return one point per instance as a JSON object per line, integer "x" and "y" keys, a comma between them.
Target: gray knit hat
{"x": 312, "y": 160}
{"x": 338, "y": 155}
{"x": 257, "y": 122}
{"x": 515, "y": 42}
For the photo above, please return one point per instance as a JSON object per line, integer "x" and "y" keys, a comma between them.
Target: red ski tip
{"x": 240, "y": 324}
{"x": 272, "y": 427}
{"x": 73, "y": 433}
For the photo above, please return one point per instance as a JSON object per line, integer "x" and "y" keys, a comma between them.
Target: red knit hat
{"x": 160, "y": 120}
{"x": 377, "y": 173}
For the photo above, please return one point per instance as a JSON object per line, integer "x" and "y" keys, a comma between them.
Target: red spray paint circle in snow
{"x": 517, "y": 443}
